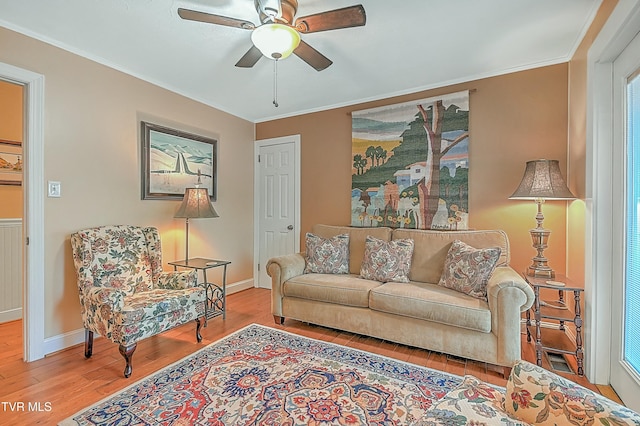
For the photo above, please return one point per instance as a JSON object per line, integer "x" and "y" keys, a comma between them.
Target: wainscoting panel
{"x": 10, "y": 269}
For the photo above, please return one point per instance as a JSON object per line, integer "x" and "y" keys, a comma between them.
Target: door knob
{"x": 290, "y": 227}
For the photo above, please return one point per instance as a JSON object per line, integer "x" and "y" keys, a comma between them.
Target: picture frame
{"x": 11, "y": 163}
{"x": 173, "y": 160}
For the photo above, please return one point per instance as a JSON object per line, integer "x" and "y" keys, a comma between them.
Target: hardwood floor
{"x": 65, "y": 382}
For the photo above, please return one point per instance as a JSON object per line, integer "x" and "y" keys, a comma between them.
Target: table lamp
{"x": 542, "y": 181}
{"x": 195, "y": 205}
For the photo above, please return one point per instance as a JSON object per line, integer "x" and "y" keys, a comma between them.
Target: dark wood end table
{"x": 558, "y": 310}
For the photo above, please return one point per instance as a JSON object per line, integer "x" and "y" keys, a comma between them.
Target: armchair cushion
{"x": 149, "y": 305}
{"x": 178, "y": 279}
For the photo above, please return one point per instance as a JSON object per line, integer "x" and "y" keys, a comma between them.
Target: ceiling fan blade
{"x": 210, "y": 18}
{"x": 311, "y": 56}
{"x": 352, "y": 16}
{"x": 250, "y": 58}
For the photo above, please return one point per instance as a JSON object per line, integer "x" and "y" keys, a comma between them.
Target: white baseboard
{"x": 75, "y": 337}
{"x": 63, "y": 341}
{"x": 10, "y": 315}
{"x": 239, "y": 286}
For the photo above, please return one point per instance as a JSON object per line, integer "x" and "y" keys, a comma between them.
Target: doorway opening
{"x": 33, "y": 208}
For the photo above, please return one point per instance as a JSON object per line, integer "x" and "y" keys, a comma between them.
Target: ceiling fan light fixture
{"x": 275, "y": 41}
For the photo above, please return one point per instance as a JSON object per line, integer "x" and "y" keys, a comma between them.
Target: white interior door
{"x": 625, "y": 286}
{"x": 277, "y": 197}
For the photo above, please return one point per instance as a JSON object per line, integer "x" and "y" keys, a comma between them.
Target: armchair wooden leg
{"x": 127, "y": 353}
{"x": 198, "y": 327}
{"x": 278, "y": 319}
{"x": 88, "y": 343}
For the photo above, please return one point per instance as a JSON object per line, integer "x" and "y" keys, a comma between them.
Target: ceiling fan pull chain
{"x": 275, "y": 83}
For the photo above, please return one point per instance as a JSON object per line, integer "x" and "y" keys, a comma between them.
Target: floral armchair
{"x": 124, "y": 294}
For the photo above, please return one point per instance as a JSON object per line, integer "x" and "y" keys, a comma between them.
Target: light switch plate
{"x": 54, "y": 189}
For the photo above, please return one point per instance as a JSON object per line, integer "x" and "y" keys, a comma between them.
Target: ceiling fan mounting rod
{"x": 280, "y": 11}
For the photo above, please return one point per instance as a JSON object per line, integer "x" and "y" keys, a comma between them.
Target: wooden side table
{"x": 551, "y": 339}
{"x": 216, "y": 295}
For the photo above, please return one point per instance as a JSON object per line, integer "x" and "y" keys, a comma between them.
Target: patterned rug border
{"x": 69, "y": 421}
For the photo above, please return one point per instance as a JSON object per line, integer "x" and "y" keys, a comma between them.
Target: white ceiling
{"x": 406, "y": 46}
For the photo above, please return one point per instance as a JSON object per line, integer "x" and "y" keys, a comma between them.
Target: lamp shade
{"x": 542, "y": 180}
{"x": 196, "y": 204}
{"x": 275, "y": 41}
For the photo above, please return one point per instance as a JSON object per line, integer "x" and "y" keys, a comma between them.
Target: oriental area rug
{"x": 263, "y": 376}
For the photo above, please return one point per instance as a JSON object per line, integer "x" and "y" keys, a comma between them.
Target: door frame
{"x": 621, "y": 27}
{"x": 623, "y": 377}
{"x": 33, "y": 204}
{"x": 292, "y": 139}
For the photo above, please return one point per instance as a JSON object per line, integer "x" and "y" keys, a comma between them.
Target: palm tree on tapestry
{"x": 359, "y": 163}
{"x": 429, "y": 188}
{"x": 371, "y": 153}
{"x": 380, "y": 154}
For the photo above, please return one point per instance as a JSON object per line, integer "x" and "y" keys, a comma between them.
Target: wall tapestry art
{"x": 411, "y": 164}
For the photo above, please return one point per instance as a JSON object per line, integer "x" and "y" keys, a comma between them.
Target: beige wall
{"x": 11, "y": 125}
{"x": 514, "y": 118}
{"x": 91, "y": 142}
{"x": 577, "y": 144}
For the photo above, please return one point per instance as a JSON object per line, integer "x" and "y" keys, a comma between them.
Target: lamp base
{"x": 540, "y": 271}
{"x": 540, "y": 239}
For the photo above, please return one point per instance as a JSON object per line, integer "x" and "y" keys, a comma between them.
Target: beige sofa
{"x": 419, "y": 313}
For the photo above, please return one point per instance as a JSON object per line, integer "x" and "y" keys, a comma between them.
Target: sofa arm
{"x": 280, "y": 269}
{"x": 177, "y": 280}
{"x": 508, "y": 295}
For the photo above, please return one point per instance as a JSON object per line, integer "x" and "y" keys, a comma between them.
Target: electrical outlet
{"x": 54, "y": 189}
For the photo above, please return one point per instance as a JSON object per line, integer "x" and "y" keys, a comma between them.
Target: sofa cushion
{"x": 541, "y": 397}
{"x": 473, "y": 402}
{"x": 347, "y": 290}
{"x": 357, "y": 237}
{"x": 467, "y": 269}
{"x": 432, "y": 302}
{"x": 431, "y": 248}
{"x": 327, "y": 255}
{"x": 386, "y": 261}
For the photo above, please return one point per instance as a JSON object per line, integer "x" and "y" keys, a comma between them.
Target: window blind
{"x": 632, "y": 266}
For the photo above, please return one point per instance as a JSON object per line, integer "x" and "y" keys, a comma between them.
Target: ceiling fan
{"x": 277, "y": 24}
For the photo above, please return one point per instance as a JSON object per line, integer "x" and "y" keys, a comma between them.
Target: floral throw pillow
{"x": 541, "y": 397}
{"x": 467, "y": 269}
{"x": 327, "y": 256}
{"x": 472, "y": 403}
{"x": 386, "y": 261}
